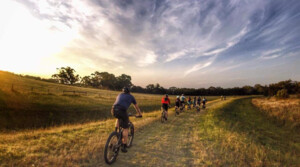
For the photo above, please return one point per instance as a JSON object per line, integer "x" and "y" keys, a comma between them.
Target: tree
{"x": 103, "y": 80}
{"x": 259, "y": 89}
{"x": 86, "y": 81}
{"x": 66, "y": 75}
{"x": 283, "y": 93}
{"x": 172, "y": 90}
{"x": 123, "y": 81}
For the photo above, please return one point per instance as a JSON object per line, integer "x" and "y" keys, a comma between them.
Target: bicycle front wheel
{"x": 112, "y": 148}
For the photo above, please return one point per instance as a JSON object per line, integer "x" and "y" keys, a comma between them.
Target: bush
{"x": 283, "y": 93}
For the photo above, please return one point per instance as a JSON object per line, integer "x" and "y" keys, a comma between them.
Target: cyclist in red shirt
{"x": 165, "y": 102}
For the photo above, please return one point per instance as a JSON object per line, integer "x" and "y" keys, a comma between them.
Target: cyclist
{"x": 189, "y": 102}
{"x": 119, "y": 110}
{"x": 177, "y": 102}
{"x": 204, "y": 101}
{"x": 165, "y": 102}
{"x": 182, "y": 100}
{"x": 195, "y": 101}
{"x": 199, "y": 101}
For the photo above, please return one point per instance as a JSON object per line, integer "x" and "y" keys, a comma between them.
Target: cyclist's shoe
{"x": 123, "y": 149}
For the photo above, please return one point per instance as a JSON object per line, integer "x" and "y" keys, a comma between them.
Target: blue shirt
{"x": 124, "y": 100}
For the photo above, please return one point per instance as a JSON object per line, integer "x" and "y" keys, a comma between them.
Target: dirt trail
{"x": 168, "y": 144}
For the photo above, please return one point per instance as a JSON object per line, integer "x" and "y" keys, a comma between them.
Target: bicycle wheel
{"x": 162, "y": 118}
{"x": 130, "y": 135}
{"x": 112, "y": 148}
{"x": 176, "y": 112}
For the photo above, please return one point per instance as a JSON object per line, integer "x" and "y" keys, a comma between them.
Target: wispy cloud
{"x": 171, "y": 35}
{"x": 201, "y": 65}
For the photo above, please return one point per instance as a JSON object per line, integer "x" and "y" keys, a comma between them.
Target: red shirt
{"x": 165, "y": 100}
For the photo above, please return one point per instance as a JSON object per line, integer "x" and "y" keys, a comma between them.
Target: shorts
{"x": 165, "y": 106}
{"x": 122, "y": 116}
{"x": 177, "y": 104}
{"x": 182, "y": 102}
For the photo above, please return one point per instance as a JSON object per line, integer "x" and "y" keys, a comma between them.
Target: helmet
{"x": 177, "y": 96}
{"x": 125, "y": 90}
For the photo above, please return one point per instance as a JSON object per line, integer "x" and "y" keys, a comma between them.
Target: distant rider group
{"x": 180, "y": 102}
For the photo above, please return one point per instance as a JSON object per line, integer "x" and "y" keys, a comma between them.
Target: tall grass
{"x": 285, "y": 112}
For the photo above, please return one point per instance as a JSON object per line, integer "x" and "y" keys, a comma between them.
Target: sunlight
{"x": 26, "y": 42}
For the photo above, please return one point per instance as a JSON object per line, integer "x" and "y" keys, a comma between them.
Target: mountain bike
{"x": 189, "y": 106}
{"x": 197, "y": 108}
{"x": 163, "y": 117}
{"x": 114, "y": 141}
{"x": 176, "y": 111}
{"x": 182, "y": 107}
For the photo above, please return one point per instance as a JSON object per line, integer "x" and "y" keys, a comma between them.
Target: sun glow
{"x": 28, "y": 45}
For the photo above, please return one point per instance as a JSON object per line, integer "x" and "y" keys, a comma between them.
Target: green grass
{"x": 227, "y": 133}
{"x": 238, "y": 134}
{"x": 34, "y": 104}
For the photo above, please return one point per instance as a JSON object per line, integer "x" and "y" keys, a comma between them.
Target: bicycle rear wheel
{"x": 112, "y": 148}
{"x": 162, "y": 118}
{"x": 130, "y": 135}
{"x": 176, "y": 112}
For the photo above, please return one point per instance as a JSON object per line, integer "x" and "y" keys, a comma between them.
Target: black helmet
{"x": 125, "y": 90}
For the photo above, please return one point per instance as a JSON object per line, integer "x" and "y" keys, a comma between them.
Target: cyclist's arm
{"x": 137, "y": 108}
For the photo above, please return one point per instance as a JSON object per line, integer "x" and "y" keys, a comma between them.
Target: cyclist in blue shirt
{"x": 119, "y": 110}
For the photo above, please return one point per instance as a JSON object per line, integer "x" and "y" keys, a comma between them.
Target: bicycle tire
{"x": 113, "y": 147}
{"x": 131, "y": 134}
{"x": 162, "y": 118}
{"x": 176, "y": 112}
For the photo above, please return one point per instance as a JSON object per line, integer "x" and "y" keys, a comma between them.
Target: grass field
{"x": 228, "y": 133}
{"x": 29, "y": 103}
{"x": 286, "y": 112}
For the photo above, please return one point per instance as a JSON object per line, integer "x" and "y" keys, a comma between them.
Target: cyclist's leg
{"x": 117, "y": 125}
{"x": 125, "y": 125}
{"x": 167, "y": 107}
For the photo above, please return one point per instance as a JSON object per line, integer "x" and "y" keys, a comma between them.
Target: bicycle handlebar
{"x": 136, "y": 116}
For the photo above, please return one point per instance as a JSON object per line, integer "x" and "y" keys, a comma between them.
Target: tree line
{"x": 105, "y": 80}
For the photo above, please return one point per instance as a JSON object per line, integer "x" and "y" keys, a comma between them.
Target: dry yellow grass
{"x": 285, "y": 111}
{"x": 34, "y": 104}
{"x": 228, "y": 133}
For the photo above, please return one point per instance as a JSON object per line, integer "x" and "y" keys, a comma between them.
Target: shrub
{"x": 283, "y": 93}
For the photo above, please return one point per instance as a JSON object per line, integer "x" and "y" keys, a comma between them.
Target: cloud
{"x": 150, "y": 58}
{"x": 171, "y": 35}
{"x": 176, "y": 55}
{"x": 201, "y": 65}
{"x": 270, "y": 54}
{"x": 198, "y": 67}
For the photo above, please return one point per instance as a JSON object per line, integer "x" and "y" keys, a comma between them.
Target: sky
{"x": 195, "y": 43}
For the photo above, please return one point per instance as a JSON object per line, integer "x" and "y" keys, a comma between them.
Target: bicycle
{"x": 189, "y": 106}
{"x": 114, "y": 141}
{"x": 163, "y": 117}
{"x": 183, "y": 107}
{"x": 176, "y": 111}
{"x": 197, "y": 108}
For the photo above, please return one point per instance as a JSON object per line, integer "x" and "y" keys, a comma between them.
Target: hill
{"x": 30, "y": 103}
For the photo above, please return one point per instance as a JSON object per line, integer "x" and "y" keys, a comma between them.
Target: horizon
{"x": 191, "y": 44}
{"x": 24, "y": 75}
